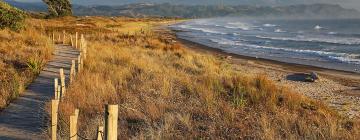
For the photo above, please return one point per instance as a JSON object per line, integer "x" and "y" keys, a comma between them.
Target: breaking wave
{"x": 333, "y": 40}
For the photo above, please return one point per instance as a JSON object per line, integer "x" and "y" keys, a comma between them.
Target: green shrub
{"x": 11, "y": 17}
{"x": 35, "y": 65}
{"x": 58, "y": 8}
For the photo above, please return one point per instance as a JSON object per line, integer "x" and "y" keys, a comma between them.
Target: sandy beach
{"x": 338, "y": 89}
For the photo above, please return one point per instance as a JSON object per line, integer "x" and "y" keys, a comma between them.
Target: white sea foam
{"x": 205, "y": 30}
{"x": 318, "y": 27}
{"x": 279, "y": 31}
{"x": 183, "y": 26}
{"x": 223, "y": 41}
{"x": 239, "y": 25}
{"x": 300, "y": 32}
{"x": 332, "y": 33}
{"x": 334, "y": 40}
{"x": 346, "y": 59}
{"x": 269, "y": 25}
{"x": 342, "y": 57}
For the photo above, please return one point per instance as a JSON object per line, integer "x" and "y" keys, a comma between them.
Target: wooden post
{"x": 53, "y": 37}
{"x": 73, "y": 125}
{"x": 73, "y": 63}
{"x": 63, "y": 88}
{"x": 64, "y": 37}
{"x": 82, "y": 63}
{"x": 58, "y": 95}
{"x": 81, "y": 42}
{"x": 72, "y": 41}
{"x": 72, "y": 71}
{"x": 56, "y": 84}
{"x": 59, "y": 38}
{"x": 100, "y": 133}
{"x": 62, "y": 79}
{"x": 76, "y": 40}
{"x": 111, "y": 122}
{"x": 54, "y": 118}
{"x": 83, "y": 46}
{"x": 79, "y": 63}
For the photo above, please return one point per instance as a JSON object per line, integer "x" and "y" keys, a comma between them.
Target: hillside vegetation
{"x": 23, "y": 51}
{"x": 10, "y": 17}
{"x": 204, "y": 11}
{"x": 166, "y": 91}
{"x": 22, "y": 56}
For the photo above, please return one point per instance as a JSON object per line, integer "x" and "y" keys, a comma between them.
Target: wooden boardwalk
{"x": 26, "y": 118}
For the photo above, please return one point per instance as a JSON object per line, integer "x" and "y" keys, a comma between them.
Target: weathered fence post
{"x": 83, "y": 46}
{"x": 54, "y": 118}
{"x": 100, "y": 133}
{"x": 76, "y": 39}
{"x": 73, "y": 125}
{"x": 53, "y": 37}
{"x": 62, "y": 79}
{"x": 58, "y": 95}
{"x": 72, "y": 41}
{"x": 82, "y": 63}
{"x": 56, "y": 84}
{"x": 72, "y": 71}
{"x": 81, "y": 42}
{"x": 64, "y": 37}
{"x": 79, "y": 63}
{"x": 59, "y": 38}
{"x": 111, "y": 122}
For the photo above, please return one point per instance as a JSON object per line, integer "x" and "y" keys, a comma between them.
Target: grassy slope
{"x": 11, "y": 17}
{"x": 166, "y": 91}
{"x": 17, "y": 50}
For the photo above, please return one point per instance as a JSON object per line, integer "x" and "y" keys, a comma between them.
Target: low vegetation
{"x": 166, "y": 91}
{"x": 21, "y": 51}
{"x": 11, "y": 17}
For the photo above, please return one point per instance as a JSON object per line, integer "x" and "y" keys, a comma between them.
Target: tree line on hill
{"x": 206, "y": 11}
{"x": 12, "y": 18}
{"x": 194, "y": 11}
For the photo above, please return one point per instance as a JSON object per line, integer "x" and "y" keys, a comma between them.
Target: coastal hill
{"x": 203, "y": 11}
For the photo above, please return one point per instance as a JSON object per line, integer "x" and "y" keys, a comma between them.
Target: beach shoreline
{"x": 338, "y": 89}
{"x": 349, "y": 76}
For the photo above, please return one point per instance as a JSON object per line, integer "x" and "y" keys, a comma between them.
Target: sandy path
{"x": 26, "y": 117}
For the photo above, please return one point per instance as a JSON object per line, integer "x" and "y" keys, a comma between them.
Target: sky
{"x": 345, "y": 3}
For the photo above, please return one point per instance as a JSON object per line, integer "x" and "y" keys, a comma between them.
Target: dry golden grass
{"x": 166, "y": 91}
{"x": 22, "y": 55}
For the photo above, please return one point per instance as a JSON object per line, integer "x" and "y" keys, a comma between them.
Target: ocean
{"x": 326, "y": 43}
